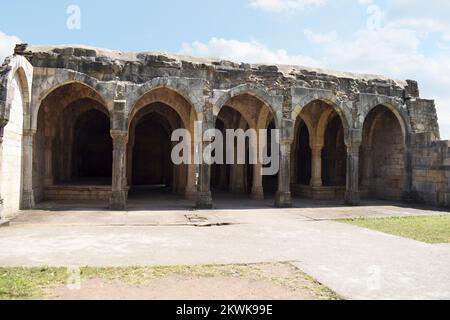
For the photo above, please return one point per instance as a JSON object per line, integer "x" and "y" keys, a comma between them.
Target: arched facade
{"x": 12, "y": 166}
{"x": 72, "y": 145}
{"x": 245, "y": 108}
{"x": 318, "y": 161}
{"x": 95, "y": 131}
{"x": 14, "y": 121}
{"x": 152, "y": 120}
{"x": 383, "y": 155}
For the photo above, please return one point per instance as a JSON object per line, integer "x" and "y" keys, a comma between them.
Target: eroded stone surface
{"x": 368, "y": 135}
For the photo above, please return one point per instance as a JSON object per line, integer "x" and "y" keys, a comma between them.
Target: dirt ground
{"x": 256, "y": 282}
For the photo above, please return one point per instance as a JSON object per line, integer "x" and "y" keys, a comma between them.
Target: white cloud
{"x": 320, "y": 37}
{"x": 285, "y": 5}
{"x": 394, "y": 52}
{"x": 7, "y": 44}
{"x": 400, "y": 49}
{"x": 239, "y": 51}
{"x": 423, "y": 16}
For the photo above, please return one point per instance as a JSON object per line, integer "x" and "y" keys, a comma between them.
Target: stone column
{"x": 283, "y": 197}
{"x": 316, "y": 166}
{"x": 2, "y": 125}
{"x": 28, "y": 200}
{"x": 257, "y": 188}
{"x": 352, "y": 195}
{"x": 204, "y": 196}
{"x": 119, "y": 182}
{"x": 191, "y": 190}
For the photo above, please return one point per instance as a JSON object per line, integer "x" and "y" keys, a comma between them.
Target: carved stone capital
{"x": 353, "y": 150}
{"x": 120, "y": 139}
{"x": 29, "y": 133}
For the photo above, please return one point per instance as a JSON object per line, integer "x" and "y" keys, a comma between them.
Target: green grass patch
{"x": 29, "y": 283}
{"x": 429, "y": 229}
{"x": 42, "y": 283}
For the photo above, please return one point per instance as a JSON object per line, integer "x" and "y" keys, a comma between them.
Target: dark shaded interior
{"x": 303, "y": 155}
{"x": 334, "y": 154}
{"x": 151, "y": 153}
{"x": 92, "y": 147}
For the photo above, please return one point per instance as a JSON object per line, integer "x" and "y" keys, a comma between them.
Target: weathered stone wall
{"x": 402, "y": 164}
{"x": 11, "y": 173}
{"x": 431, "y": 170}
{"x": 430, "y": 157}
{"x": 423, "y": 117}
{"x": 388, "y": 156}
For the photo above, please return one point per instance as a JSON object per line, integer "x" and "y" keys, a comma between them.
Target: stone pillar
{"x": 352, "y": 195}
{"x": 204, "y": 196}
{"x": 28, "y": 200}
{"x": 257, "y": 188}
{"x": 2, "y": 125}
{"x": 316, "y": 166}
{"x": 119, "y": 182}
{"x": 283, "y": 197}
{"x": 191, "y": 190}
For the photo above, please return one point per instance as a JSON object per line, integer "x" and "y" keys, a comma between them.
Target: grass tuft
{"x": 429, "y": 229}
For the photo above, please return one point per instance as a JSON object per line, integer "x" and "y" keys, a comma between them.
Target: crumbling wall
{"x": 11, "y": 172}
{"x": 431, "y": 170}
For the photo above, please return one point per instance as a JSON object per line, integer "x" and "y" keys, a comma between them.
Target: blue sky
{"x": 404, "y": 39}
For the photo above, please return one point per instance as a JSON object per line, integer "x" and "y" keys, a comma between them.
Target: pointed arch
{"x": 273, "y": 103}
{"x": 90, "y": 91}
{"x": 14, "y": 170}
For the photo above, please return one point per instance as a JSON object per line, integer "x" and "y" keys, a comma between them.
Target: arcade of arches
{"x": 74, "y": 149}
{"x": 79, "y": 123}
{"x": 244, "y": 112}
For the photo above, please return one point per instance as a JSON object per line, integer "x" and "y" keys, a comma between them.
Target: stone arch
{"x": 233, "y": 178}
{"x": 395, "y": 108}
{"x": 335, "y": 105}
{"x": 258, "y": 92}
{"x": 90, "y": 84}
{"x": 192, "y": 93}
{"x": 302, "y": 100}
{"x": 383, "y": 160}
{"x": 324, "y": 158}
{"x": 58, "y": 146}
{"x": 266, "y": 108}
{"x": 16, "y": 66}
{"x": 178, "y": 99}
{"x": 15, "y": 173}
{"x": 299, "y": 158}
{"x": 264, "y": 118}
{"x": 169, "y": 96}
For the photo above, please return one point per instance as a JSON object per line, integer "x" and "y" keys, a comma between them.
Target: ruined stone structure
{"x": 85, "y": 123}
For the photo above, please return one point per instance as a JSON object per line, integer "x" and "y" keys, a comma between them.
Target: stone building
{"x": 85, "y": 123}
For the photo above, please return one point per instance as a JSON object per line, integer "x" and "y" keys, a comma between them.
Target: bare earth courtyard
{"x": 353, "y": 262}
{"x": 274, "y": 281}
